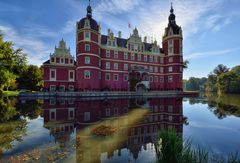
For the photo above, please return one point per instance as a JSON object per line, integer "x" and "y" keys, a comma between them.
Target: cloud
{"x": 36, "y": 49}
{"x": 210, "y": 53}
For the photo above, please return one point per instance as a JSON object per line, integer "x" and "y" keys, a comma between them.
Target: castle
{"x": 107, "y": 62}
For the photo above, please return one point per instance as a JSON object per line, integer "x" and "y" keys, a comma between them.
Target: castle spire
{"x": 89, "y": 10}
{"x": 171, "y": 17}
{"x": 171, "y": 10}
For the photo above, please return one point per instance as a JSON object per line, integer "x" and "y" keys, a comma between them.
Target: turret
{"x": 88, "y": 53}
{"x": 172, "y": 47}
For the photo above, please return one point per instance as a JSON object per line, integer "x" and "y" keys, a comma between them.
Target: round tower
{"x": 172, "y": 47}
{"x": 88, "y": 72}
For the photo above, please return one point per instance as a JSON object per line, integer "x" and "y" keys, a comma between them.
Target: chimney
{"x": 119, "y": 34}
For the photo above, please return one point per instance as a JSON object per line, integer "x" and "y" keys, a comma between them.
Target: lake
{"x": 113, "y": 130}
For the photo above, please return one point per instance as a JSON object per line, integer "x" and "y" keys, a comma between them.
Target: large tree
{"x": 31, "y": 78}
{"x": 220, "y": 69}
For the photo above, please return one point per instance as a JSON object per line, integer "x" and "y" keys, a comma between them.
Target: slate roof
{"x": 93, "y": 23}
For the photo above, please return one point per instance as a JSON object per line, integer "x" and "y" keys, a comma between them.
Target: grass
{"x": 10, "y": 93}
{"x": 169, "y": 147}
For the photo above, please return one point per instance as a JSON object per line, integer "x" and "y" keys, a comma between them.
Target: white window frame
{"x": 69, "y": 75}
{"x": 155, "y": 78}
{"x": 63, "y": 86}
{"x": 115, "y": 75}
{"x": 87, "y": 60}
{"x": 115, "y": 66}
{"x": 125, "y": 56}
{"x": 125, "y": 66}
{"x": 52, "y": 86}
{"x": 116, "y": 54}
{"x": 132, "y": 56}
{"x": 108, "y": 65}
{"x": 85, "y": 34}
{"x": 155, "y": 69}
{"x": 150, "y": 68}
{"x": 86, "y": 47}
{"x": 125, "y": 77}
{"x": 170, "y": 59}
{"x": 108, "y": 53}
{"x": 170, "y": 79}
{"x": 139, "y": 57}
{"x": 150, "y": 58}
{"x": 145, "y": 58}
{"x": 50, "y": 74}
{"x": 86, "y": 76}
{"x": 161, "y": 79}
{"x": 170, "y": 69}
{"x": 107, "y": 74}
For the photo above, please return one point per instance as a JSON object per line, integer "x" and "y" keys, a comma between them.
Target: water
{"x": 65, "y": 129}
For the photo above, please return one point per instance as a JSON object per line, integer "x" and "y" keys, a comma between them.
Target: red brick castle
{"x": 108, "y": 62}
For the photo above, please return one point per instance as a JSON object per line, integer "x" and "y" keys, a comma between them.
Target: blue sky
{"x": 211, "y": 28}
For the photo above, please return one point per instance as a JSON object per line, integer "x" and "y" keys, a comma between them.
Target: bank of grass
{"x": 10, "y": 93}
{"x": 170, "y": 148}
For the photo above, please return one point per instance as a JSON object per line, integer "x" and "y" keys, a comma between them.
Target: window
{"x": 52, "y": 74}
{"x": 87, "y": 60}
{"x": 150, "y": 78}
{"x": 170, "y": 108}
{"x": 155, "y": 69}
{"x": 145, "y": 58}
{"x": 52, "y": 59}
{"x": 170, "y": 42}
{"x": 150, "y": 58}
{"x": 87, "y": 116}
{"x": 71, "y": 88}
{"x": 71, "y": 75}
{"x": 132, "y": 57}
{"x": 125, "y": 77}
{"x": 99, "y": 63}
{"x": 107, "y": 76}
{"x": 180, "y": 69}
{"x": 125, "y": 56}
{"x": 107, "y": 65}
{"x": 139, "y": 57}
{"x": 87, "y": 36}
{"x": 115, "y": 54}
{"x": 125, "y": 66}
{"x": 52, "y": 88}
{"x": 155, "y": 59}
{"x": 108, "y": 53}
{"x": 52, "y": 114}
{"x": 52, "y": 101}
{"x": 87, "y": 74}
{"x": 170, "y": 59}
{"x": 61, "y": 88}
{"x": 115, "y": 77}
{"x": 170, "y": 79}
{"x": 161, "y": 79}
{"x": 116, "y": 66}
{"x": 170, "y": 69}
{"x": 99, "y": 75}
{"x": 62, "y": 60}
{"x": 150, "y": 68}
{"x": 156, "y": 79}
{"x": 170, "y": 50}
{"x": 66, "y": 60}
{"x": 161, "y": 60}
{"x": 161, "y": 69}
{"x": 87, "y": 47}
{"x": 71, "y": 61}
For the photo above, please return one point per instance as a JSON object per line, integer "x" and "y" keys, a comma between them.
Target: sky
{"x": 211, "y": 28}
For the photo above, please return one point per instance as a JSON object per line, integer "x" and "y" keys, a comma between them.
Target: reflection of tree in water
{"x": 223, "y": 106}
{"x": 12, "y": 127}
{"x": 30, "y": 108}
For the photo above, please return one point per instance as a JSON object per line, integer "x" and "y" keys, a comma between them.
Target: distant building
{"x": 108, "y": 62}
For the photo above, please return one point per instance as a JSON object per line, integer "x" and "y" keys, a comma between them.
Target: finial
{"x": 89, "y": 10}
{"x": 171, "y": 10}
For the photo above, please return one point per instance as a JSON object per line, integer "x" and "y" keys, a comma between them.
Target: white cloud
{"x": 36, "y": 49}
{"x": 210, "y": 53}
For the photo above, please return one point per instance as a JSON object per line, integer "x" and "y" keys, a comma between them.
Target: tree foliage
{"x": 14, "y": 68}
{"x": 222, "y": 80}
{"x": 195, "y": 84}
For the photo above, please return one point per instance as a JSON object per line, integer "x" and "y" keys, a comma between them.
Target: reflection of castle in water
{"x": 61, "y": 116}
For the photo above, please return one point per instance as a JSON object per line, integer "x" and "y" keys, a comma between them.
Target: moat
{"x": 61, "y": 129}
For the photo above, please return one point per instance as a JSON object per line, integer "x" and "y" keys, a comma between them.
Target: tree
{"x": 185, "y": 64}
{"x": 220, "y": 69}
{"x": 228, "y": 83}
{"x": 211, "y": 83}
{"x": 31, "y": 78}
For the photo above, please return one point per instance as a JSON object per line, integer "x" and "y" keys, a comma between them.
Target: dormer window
{"x": 62, "y": 60}
{"x": 87, "y": 24}
{"x": 52, "y": 59}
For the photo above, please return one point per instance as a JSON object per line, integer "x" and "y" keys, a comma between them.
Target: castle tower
{"x": 88, "y": 70}
{"x": 172, "y": 47}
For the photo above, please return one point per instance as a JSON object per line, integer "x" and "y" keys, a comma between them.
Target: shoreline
{"x": 107, "y": 94}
